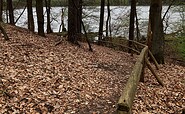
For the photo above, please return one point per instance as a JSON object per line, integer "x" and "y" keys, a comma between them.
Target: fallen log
{"x": 126, "y": 100}
{"x": 4, "y": 32}
{"x": 153, "y": 72}
{"x": 154, "y": 60}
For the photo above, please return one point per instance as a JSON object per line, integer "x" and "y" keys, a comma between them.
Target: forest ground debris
{"x": 43, "y": 78}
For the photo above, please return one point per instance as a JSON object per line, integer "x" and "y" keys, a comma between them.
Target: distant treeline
{"x": 97, "y": 2}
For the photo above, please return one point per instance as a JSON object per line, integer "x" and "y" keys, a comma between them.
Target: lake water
{"x": 119, "y": 19}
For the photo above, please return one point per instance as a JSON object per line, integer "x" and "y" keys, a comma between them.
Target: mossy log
{"x": 4, "y": 32}
{"x": 126, "y": 100}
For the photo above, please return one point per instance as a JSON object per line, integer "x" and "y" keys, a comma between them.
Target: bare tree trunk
{"x": 108, "y": 28}
{"x": 131, "y": 27}
{"x": 137, "y": 27}
{"x": 62, "y": 22}
{"x": 101, "y": 20}
{"x": 40, "y": 17}
{"x": 10, "y": 10}
{"x": 20, "y": 15}
{"x": 172, "y": 2}
{"x": 155, "y": 31}
{"x": 30, "y": 16}
{"x": 1, "y": 10}
{"x": 72, "y": 21}
{"x": 48, "y": 7}
{"x": 79, "y": 18}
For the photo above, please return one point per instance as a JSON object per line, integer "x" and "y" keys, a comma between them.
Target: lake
{"x": 119, "y": 19}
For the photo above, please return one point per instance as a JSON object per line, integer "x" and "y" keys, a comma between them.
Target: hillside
{"x": 38, "y": 77}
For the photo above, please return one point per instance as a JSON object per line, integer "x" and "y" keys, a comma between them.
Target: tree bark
{"x": 1, "y": 10}
{"x": 40, "y": 17}
{"x": 131, "y": 27}
{"x": 155, "y": 31}
{"x": 73, "y": 20}
{"x": 10, "y": 10}
{"x": 108, "y": 28}
{"x": 48, "y": 11}
{"x": 101, "y": 20}
{"x": 30, "y": 16}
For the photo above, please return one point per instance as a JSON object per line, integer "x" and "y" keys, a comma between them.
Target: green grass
{"x": 181, "y": 46}
{"x": 176, "y": 46}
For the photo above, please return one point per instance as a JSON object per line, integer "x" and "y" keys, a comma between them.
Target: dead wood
{"x": 126, "y": 100}
{"x": 154, "y": 60}
{"x": 153, "y": 72}
{"x": 4, "y": 32}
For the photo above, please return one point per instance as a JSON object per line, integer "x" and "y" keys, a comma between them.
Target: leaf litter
{"x": 38, "y": 77}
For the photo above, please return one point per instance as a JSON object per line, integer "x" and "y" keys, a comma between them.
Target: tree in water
{"x": 10, "y": 10}
{"x": 30, "y": 15}
{"x": 40, "y": 17}
{"x": 155, "y": 40}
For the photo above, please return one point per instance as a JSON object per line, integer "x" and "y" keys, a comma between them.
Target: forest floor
{"x": 38, "y": 77}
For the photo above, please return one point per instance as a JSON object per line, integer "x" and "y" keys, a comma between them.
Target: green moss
{"x": 181, "y": 46}
{"x": 176, "y": 45}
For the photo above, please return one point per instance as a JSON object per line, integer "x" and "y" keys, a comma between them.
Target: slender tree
{"x": 1, "y": 10}
{"x": 10, "y": 10}
{"x": 48, "y": 11}
{"x": 155, "y": 39}
{"x": 131, "y": 27}
{"x": 108, "y": 22}
{"x": 40, "y": 17}
{"x": 79, "y": 16}
{"x": 101, "y": 19}
{"x": 30, "y": 15}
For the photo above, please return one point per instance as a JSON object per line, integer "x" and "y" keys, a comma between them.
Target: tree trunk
{"x": 79, "y": 27}
{"x": 131, "y": 27}
{"x": 62, "y": 21}
{"x": 48, "y": 7}
{"x": 101, "y": 20}
{"x": 72, "y": 20}
{"x": 1, "y": 10}
{"x": 155, "y": 31}
{"x": 30, "y": 16}
{"x": 40, "y": 17}
{"x": 108, "y": 26}
{"x": 10, "y": 10}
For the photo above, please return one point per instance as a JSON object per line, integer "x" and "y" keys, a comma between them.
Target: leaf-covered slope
{"x": 151, "y": 98}
{"x": 39, "y": 77}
